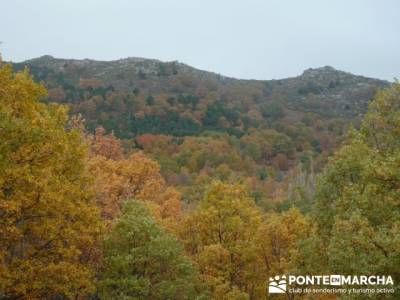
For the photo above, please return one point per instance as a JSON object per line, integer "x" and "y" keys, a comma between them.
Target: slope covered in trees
{"x": 199, "y": 125}
{"x": 87, "y": 215}
{"x": 357, "y": 209}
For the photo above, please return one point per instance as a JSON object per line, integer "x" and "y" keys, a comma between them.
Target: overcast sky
{"x": 259, "y": 39}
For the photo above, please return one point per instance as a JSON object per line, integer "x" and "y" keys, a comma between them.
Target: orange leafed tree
{"x": 119, "y": 177}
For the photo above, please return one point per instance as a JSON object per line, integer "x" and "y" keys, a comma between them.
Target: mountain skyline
{"x": 141, "y": 59}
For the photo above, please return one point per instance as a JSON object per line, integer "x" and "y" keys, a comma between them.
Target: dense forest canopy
{"x": 199, "y": 125}
{"x": 146, "y": 180}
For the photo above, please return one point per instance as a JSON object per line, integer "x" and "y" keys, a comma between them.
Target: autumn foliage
{"x": 119, "y": 177}
{"x": 49, "y": 221}
{"x": 86, "y": 215}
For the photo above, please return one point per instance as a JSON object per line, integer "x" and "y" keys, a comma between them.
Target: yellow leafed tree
{"x": 220, "y": 238}
{"x": 49, "y": 223}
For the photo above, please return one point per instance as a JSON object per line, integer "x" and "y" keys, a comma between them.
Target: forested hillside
{"x": 199, "y": 125}
{"x": 159, "y": 181}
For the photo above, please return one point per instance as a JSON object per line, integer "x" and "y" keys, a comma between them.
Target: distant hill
{"x": 136, "y": 95}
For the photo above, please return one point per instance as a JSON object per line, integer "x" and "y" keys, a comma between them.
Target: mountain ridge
{"x": 135, "y": 60}
{"x": 126, "y": 94}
